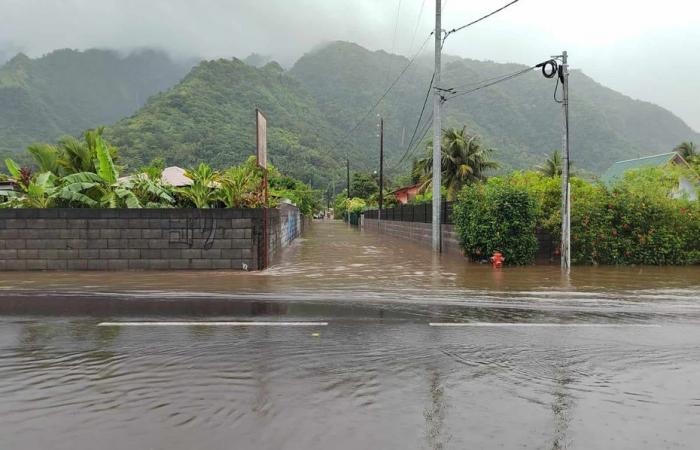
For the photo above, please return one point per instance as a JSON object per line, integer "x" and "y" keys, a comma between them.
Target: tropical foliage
{"x": 552, "y": 166}
{"x": 492, "y": 217}
{"x": 643, "y": 219}
{"x": 83, "y": 174}
{"x": 464, "y": 162}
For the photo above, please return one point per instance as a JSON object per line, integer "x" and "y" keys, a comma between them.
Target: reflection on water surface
{"x": 376, "y": 377}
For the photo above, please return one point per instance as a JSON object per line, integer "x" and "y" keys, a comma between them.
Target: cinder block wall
{"x": 417, "y": 232}
{"x": 132, "y": 239}
{"x": 285, "y": 227}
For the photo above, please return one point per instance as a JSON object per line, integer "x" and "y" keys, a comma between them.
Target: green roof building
{"x": 618, "y": 170}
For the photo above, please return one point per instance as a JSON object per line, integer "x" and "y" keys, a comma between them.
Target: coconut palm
{"x": 687, "y": 150}
{"x": 47, "y": 157}
{"x": 552, "y": 165}
{"x": 464, "y": 161}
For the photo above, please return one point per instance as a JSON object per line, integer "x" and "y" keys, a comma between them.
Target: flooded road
{"x": 387, "y": 347}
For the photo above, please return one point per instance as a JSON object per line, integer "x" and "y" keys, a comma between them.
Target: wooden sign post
{"x": 261, "y": 153}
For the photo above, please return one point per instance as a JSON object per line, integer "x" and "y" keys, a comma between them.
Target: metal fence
{"x": 421, "y": 212}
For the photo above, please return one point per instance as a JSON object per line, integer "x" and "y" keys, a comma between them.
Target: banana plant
{"x": 151, "y": 192}
{"x": 238, "y": 187}
{"x": 102, "y": 189}
{"x": 203, "y": 190}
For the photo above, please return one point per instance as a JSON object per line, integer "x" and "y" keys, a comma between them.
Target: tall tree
{"x": 363, "y": 185}
{"x": 551, "y": 166}
{"x": 463, "y": 162}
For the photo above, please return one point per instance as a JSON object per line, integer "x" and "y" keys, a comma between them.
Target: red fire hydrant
{"x": 497, "y": 260}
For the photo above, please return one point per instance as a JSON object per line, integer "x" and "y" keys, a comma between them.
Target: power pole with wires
{"x": 565, "y": 185}
{"x": 381, "y": 167}
{"x": 348, "y": 173}
{"x": 437, "y": 130}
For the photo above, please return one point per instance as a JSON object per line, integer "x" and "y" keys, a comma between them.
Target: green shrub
{"x": 636, "y": 222}
{"x": 497, "y": 217}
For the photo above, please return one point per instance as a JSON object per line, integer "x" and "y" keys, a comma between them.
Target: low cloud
{"x": 643, "y": 49}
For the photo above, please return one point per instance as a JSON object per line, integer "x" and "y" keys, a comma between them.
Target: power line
{"x": 480, "y": 82}
{"x": 396, "y": 26}
{"x": 415, "y": 30}
{"x": 454, "y": 30}
{"x": 409, "y": 151}
{"x": 500, "y": 80}
{"x": 369, "y": 111}
{"x": 420, "y": 118}
{"x": 390, "y": 66}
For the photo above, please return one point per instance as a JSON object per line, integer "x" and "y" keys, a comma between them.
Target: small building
{"x": 406, "y": 194}
{"x": 618, "y": 170}
{"x": 175, "y": 176}
{"x": 8, "y": 185}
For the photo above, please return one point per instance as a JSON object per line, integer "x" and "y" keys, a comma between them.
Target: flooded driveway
{"x": 382, "y": 345}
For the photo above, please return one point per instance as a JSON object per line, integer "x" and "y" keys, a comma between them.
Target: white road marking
{"x": 212, "y": 324}
{"x": 543, "y": 325}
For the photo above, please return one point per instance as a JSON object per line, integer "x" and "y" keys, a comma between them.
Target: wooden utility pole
{"x": 348, "y": 173}
{"x": 381, "y": 167}
{"x": 437, "y": 130}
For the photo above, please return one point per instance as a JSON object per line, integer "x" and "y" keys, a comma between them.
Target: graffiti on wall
{"x": 195, "y": 229}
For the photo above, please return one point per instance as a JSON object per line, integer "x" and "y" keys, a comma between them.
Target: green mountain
{"x": 67, "y": 91}
{"x": 313, "y": 108}
{"x": 210, "y": 116}
{"x": 519, "y": 117}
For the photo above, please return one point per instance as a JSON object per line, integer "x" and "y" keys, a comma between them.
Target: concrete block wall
{"x": 285, "y": 226}
{"x": 131, "y": 239}
{"x": 417, "y": 232}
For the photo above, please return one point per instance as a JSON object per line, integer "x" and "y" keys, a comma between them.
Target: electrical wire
{"x": 492, "y": 83}
{"x": 396, "y": 26}
{"x": 409, "y": 151}
{"x": 415, "y": 30}
{"x": 369, "y": 111}
{"x": 420, "y": 118}
{"x": 455, "y": 30}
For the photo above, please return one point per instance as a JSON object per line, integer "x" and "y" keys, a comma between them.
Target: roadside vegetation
{"x": 86, "y": 174}
{"x": 641, "y": 219}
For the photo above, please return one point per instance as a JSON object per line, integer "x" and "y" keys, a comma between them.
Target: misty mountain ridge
{"x": 209, "y": 115}
{"x": 67, "y": 91}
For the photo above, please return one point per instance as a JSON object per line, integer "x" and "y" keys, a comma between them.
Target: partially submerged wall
{"x": 416, "y": 232}
{"x": 422, "y": 233}
{"x": 139, "y": 239}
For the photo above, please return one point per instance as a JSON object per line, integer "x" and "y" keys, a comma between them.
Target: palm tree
{"x": 687, "y": 150}
{"x": 46, "y": 156}
{"x": 71, "y": 155}
{"x": 552, "y": 165}
{"x": 464, "y": 161}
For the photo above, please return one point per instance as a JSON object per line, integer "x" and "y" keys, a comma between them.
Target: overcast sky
{"x": 649, "y": 50}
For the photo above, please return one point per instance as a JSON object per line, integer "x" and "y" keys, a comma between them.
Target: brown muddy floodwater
{"x": 607, "y": 358}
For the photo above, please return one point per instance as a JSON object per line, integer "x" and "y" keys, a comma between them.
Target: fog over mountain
{"x": 641, "y": 48}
